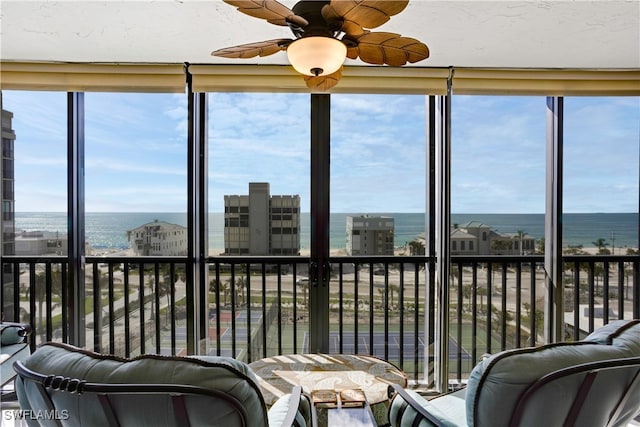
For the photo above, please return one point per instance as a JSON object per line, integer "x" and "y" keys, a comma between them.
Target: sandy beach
{"x": 305, "y": 252}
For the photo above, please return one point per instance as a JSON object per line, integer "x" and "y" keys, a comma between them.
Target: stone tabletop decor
{"x": 338, "y": 372}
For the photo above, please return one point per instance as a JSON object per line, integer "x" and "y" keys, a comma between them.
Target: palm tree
{"x": 382, "y": 301}
{"x": 598, "y": 272}
{"x": 213, "y": 286}
{"x": 151, "y": 283}
{"x": 224, "y": 288}
{"x": 40, "y": 293}
{"x": 467, "y": 292}
{"x": 482, "y": 291}
{"x": 520, "y": 238}
{"x": 393, "y": 288}
{"x": 304, "y": 285}
{"x": 601, "y": 244}
{"x": 453, "y": 275}
{"x": 165, "y": 289}
{"x": 416, "y": 247}
{"x": 500, "y": 245}
{"x": 574, "y": 250}
{"x": 242, "y": 285}
{"x": 499, "y": 317}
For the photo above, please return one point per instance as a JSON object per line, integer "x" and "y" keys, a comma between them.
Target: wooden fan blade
{"x": 360, "y": 14}
{"x": 272, "y": 11}
{"x": 323, "y": 83}
{"x": 389, "y": 48}
{"x": 249, "y": 50}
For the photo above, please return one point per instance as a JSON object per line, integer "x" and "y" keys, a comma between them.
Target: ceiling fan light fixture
{"x": 316, "y": 55}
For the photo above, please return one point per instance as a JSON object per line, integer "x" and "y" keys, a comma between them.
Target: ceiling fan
{"x": 326, "y": 32}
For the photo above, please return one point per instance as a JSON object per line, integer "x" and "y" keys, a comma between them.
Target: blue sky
{"x": 136, "y": 151}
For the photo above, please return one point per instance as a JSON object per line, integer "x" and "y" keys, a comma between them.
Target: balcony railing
{"x": 251, "y": 308}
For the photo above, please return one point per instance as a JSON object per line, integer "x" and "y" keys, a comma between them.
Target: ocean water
{"x": 109, "y": 230}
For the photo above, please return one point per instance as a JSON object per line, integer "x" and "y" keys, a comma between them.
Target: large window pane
{"x": 601, "y": 139}
{"x": 498, "y": 203}
{"x": 257, "y": 138}
{"x": 38, "y": 163}
{"x": 259, "y": 188}
{"x": 497, "y": 175}
{"x": 378, "y": 178}
{"x": 136, "y": 172}
{"x": 136, "y": 202}
{"x": 378, "y": 157}
{"x": 498, "y": 157}
{"x": 34, "y": 188}
{"x": 600, "y": 203}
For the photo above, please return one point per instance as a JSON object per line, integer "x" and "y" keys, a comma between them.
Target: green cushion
{"x": 226, "y": 375}
{"x": 14, "y": 352}
{"x": 496, "y": 383}
{"x": 11, "y": 334}
{"x": 606, "y": 334}
{"x": 448, "y": 409}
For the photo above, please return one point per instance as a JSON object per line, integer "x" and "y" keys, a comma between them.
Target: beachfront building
{"x": 7, "y": 221}
{"x": 518, "y": 243}
{"x": 370, "y": 235}
{"x": 8, "y": 199}
{"x": 463, "y": 242}
{"x": 472, "y": 238}
{"x": 40, "y": 243}
{"x": 476, "y": 238}
{"x": 261, "y": 224}
{"x": 158, "y": 238}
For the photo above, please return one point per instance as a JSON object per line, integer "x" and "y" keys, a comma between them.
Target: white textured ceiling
{"x": 500, "y": 34}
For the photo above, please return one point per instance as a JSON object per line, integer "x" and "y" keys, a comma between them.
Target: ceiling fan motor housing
{"x": 311, "y": 10}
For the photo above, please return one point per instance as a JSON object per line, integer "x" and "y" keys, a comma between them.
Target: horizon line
{"x": 350, "y": 213}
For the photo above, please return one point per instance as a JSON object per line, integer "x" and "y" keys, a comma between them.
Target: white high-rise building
{"x": 7, "y": 220}
{"x": 261, "y": 224}
{"x": 370, "y": 235}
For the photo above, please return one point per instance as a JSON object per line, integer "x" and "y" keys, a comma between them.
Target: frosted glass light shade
{"x": 316, "y": 55}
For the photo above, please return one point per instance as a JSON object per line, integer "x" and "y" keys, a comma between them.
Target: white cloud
{"x": 136, "y": 151}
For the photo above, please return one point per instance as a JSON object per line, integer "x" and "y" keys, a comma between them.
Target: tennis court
{"x": 378, "y": 344}
{"x": 225, "y": 333}
{"x": 382, "y": 345}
